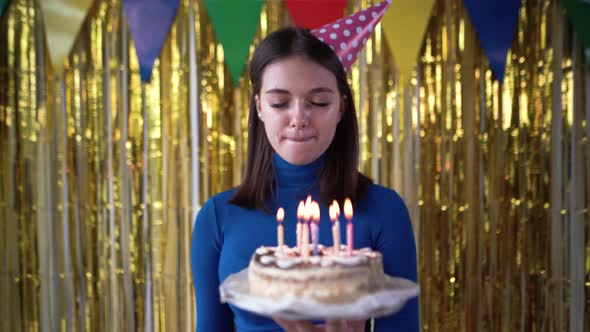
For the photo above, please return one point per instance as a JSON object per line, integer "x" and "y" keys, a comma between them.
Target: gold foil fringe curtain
{"x": 503, "y": 176}
{"x": 102, "y": 176}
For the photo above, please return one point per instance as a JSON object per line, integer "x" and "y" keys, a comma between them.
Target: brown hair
{"x": 339, "y": 176}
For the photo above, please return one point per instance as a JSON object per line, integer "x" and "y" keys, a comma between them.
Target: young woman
{"x": 302, "y": 139}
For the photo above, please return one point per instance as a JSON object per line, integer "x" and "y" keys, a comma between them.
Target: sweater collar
{"x": 296, "y": 176}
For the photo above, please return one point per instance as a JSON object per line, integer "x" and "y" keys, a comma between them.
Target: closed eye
{"x": 286, "y": 104}
{"x": 279, "y": 105}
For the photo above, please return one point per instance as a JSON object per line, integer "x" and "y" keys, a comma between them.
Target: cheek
{"x": 327, "y": 125}
{"x": 273, "y": 125}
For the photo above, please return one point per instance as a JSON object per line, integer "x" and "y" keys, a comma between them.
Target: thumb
{"x": 345, "y": 326}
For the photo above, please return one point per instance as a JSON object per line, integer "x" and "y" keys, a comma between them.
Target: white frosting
{"x": 349, "y": 260}
{"x": 286, "y": 263}
{"x": 279, "y": 253}
{"x": 315, "y": 259}
{"x": 290, "y": 250}
{"x": 367, "y": 252}
{"x": 267, "y": 260}
{"x": 287, "y": 259}
{"x": 262, "y": 251}
{"x": 327, "y": 262}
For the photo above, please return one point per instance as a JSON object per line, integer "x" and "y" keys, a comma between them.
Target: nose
{"x": 299, "y": 119}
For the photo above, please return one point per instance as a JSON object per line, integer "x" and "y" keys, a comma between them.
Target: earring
{"x": 260, "y": 117}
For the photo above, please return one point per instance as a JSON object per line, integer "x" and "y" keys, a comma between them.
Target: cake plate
{"x": 386, "y": 301}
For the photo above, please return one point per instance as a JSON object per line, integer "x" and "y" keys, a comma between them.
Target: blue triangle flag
{"x": 495, "y": 24}
{"x": 149, "y": 22}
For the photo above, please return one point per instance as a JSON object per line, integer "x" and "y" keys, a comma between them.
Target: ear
{"x": 257, "y": 102}
{"x": 258, "y": 108}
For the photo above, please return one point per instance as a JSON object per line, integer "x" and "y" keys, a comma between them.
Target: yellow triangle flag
{"x": 404, "y": 24}
{"x": 62, "y": 19}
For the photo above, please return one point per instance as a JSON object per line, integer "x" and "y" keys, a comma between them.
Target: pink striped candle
{"x": 349, "y": 228}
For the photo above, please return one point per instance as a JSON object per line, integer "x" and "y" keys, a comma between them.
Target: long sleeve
{"x": 212, "y": 315}
{"x": 396, "y": 241}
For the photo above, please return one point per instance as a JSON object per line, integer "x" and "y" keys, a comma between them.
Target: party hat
{"x": 348, "y": 35}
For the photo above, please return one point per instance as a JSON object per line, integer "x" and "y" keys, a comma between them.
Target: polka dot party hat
{"x": 347, "y": 36}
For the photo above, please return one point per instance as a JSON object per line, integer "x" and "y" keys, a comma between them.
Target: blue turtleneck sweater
{"x": 225, "y": 236}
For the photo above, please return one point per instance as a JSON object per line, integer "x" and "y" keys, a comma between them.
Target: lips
{"x": 299, "y": 135}
{"x": 299, "y": 139}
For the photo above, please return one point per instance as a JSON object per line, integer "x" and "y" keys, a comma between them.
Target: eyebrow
{"x": 315, "y": 90}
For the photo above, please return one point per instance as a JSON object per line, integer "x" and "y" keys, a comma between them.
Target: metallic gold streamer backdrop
{"x": 99, "y": 184}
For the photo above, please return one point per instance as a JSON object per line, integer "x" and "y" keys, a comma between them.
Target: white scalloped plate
{"x": 386, "y": 301}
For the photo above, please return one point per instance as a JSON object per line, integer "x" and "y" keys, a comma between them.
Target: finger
{"x": 334, "y": 326}
{"x": 307, "y": 326}
{"x": 345, "y": 326}
{"x": 357, "y": 325}
{"x": 287, "y": 325}
{"x": 297, "y": 325}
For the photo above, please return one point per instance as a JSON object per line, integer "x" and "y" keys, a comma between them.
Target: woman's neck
{"x": 290, "y": 176}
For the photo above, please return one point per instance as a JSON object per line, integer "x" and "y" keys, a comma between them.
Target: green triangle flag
{"x": 3, "y": 5}
{"x": 235, "y": 23}
{"x": 579, "y": 11}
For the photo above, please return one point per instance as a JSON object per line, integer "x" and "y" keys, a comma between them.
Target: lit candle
{"x": 316, "y": 222}
{"x": 334, "y": 213}
{"x": 312, "y": 227}
{"x": 300, "y": 215}
{"x": 349, "y": 228}
{"x": 280, "y": 238}
{"x": 305, "y": 227}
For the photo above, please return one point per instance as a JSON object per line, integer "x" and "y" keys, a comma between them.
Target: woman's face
{"x": 300, "y": 106}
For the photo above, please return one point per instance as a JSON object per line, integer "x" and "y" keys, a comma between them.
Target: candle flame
{"x": 315, "y": 211}
{"x": 280, "y": 215}
{"x": 332, "y": 212}
{"x": 336, "y": 208}
{"x": 300, "y": 211}
{"x": 308, "y": 209}
{"x": 348, "y": 209}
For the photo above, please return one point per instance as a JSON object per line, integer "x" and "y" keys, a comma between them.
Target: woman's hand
{"x": 330, "y": 326}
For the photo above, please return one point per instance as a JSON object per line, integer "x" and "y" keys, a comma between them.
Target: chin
{"x": 299, "y": 158}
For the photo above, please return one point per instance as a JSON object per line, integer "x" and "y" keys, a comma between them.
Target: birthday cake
{"x": 327, "y": 276}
